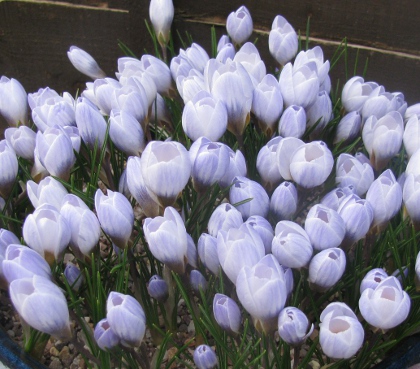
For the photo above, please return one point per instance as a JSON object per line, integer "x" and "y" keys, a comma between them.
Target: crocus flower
{"x": 74, "y": 276}
{"x": 197, "y": 281}
{"x": 225, "y": 53}
{"x": 103, "y": 91}
{"x": 355, "y": 93}
{"x": 411, "y": 136}
{"x": 167, "y": 239}
{"x": 237, "y": 167}
{"x": 9, "y": 168}
{"x": 166, "y": 169}
{"x": 42, "y": 305}
{"x": 285, "y": 150}
{"x": 319, "y": 113}
{"x": 311, "y": 164}
{"x": 196, "y": 56}
{"x": 83, "y": 223}
{"x": 327, "y": 267}
{"x": 126, "y": 318}
{"x": 385, "y": 196}
{"x": 159, "y": 72}
{"x": 22, "y": 140}
{"x": 386, "y": 306}
{"x": 236, "y": 249}
{"x": 335, "y": 197}
{"x": 85, "y": 63}
{"x": 13, "y": 102}
{"x": 158, "y": 288}
{"x": 341, "y": 334}
{"x": 115, "y": 215}
{"x": 292, "y": 122}
{"x": 284, "y": 201}
{"x": 6, "y": 238}
{"x": 41, "y": 96}
{"x": 348, "y": 128}
{"x": 267, "y": 164}
{"x": 190, "y": 85}
{"x": 282, "y": 40}
{"x": 291, "y": 245}
{"x": 55, "y": 152}
{"x": 104, "y": 335}
{"x": 239, "y": 25}
{"x": 350, "y": 171}
{"x": 244, "y": 189}
{"x": 227, "y": 313}
{"x": 161, "y": 13}
{"x": 294, "y": 326}
{"x": 263, "y": 228}
{"x": 261, "y": 289}
{"x": 48, "y": 191}
{"x": 204, "y": 357}
{"x": 23, "y": 262}
{"x": 224, "y": 217}
{"x": 411, "y": 197}
{"x": 205, "y": 116}
{"x": 207, "y": 252}
{"x": 145, "y": 198}
{"x": 250, "y": 59}
{"x": 372, "y": 279}
{"x": 46, "y": 231}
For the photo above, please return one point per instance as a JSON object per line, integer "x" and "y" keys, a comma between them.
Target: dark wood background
{"x": 35, "y": 35}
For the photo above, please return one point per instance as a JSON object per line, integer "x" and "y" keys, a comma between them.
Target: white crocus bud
{"x": 225, "y": 53}
{"x": 411, "y": 198}
{"x": 48, "y": 191}
{"x": 85, "y": 63}
{"x": 334, "y": 198}
{"x": 22, "y": 140}
{"x": 224, "y": 217}
{"x": 282, "y": 41}
{"x": 9, "y": 168}
{"x": 341, "y": 335}
{"x": 237, "y": 167}
{"x": 263, "y": 228}
{"x": 284, "y": 201}
{"x": 250, "y": 59}
{"x": 13, "y": 102}
{"x": 267, "y": 164}
{"x": 411, "y": 136}
{"x": 161, "y": 13}
{"x": 319, "y": 113}
{"x": 386, "y": 306}
{"x": 103, "y": 89}
{"x": 294, "y": 326}
{"x": 285, "y": 150}
{"x": 372, "y": 279}
{"x": 207, "y": 252}
{"x": 293, "y": 122}
{"x": 348, "y": 128}
{"x": 315, "y": 55}
{"x": 239, "y": 25}
{"x": 355, "y": 92}
{"x": 326, "y": 268}
{"x": 159, "y": 72}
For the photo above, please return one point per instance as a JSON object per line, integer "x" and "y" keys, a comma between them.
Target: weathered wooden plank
{"x": 35, "y": 38}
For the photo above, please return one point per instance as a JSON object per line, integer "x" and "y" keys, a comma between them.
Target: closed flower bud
{"x": 267, "y": 164}
{"x": 334, "y": 198}
{"x": 327, "y": 267}
{"x": 48, "y": 191}
{"x": 413, "y": 165}
{"x": 103, "y": 90}
{"x": 316, "y": 56}
{"x": 46, "y": 231}
{"x": 386, "y": 306}
{"x": 239, "y": 25}
{"x": 13, "y": 102}
{"x": 267, "y": 104}
{"x": 292, "y": 122}
{"x": 190, "y": 85}
{"x": 91, "y": 123}
{"x": 167, "y": 239}
{"x": 348, "y": 128}
{"x": 350, "y": 171}
{"x": 236, "y": 248}
{"x": 83, "y": 223}
{"x": 341, "y": 335}
{"x": 41, "y": 96}
{"x": 196, "y": 56}
{"x": 166, "y": 169}
{"x": 23, "y": 262}
{"x": 159, "y": 72}
{"x": 161, "y": 13}
{"x": 74, "y": 276}
{"x": 126, "y": 132}
{"x": 55, "y": 111}
{"x": 411, "y": 136}
{"x": 205, "y": 116}
{"x": 357, "y": 215}
{"x": 145, "y": 198}
{"x": 115, "y": 215}
{"x": 319, "y": 113}
{"x": 192, "y": 254}
{"x": 204, "y": 357}
{"x": 282, "y": 40}
{"x": 224, "y": 217}
{"x": 311, "y": 164}
{"x": 385, "y": 196}
{"x": 417, "y": 266}
{"x": 355, "y": 92}
{"x": 261, "y": 289}
{"x": 158, "y": 288}
{"x": 85, "y": 63}
{"x": 55, "y": 152}
{"x": 250, "y": 59}
{"x": 130, "y": 100}
{"x": 9, "y": 168}
{"x": 383, "y": 138}
{"x": 227, "y": 313}
{"x": 42, "y": 305}
{"x": 294, "y": 326}
{"x": 126, "y": 318}
{"x": 244, "y": 189}
{"x": 299, "y": 86}
{"x": 225, "y": 53}
{"x": 284, "y": 201}
{"x": 6, "y": 238}
{"x": 207, "y": 252}
{"x": 291, "y": 245}
{"x": 198, "y": 281}
{"x": 372, "y": 279}
{"x": 285, "y": 150}
{"x": 104, "y": 336}
{"x": 210, "y": 165}
{"x": 263, "y": 228}
{"x": 22, "y": 140}
{"x": 411, "y": 197}
{"x": 237, "y": 167}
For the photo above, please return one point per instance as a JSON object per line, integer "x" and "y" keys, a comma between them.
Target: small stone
{"x": 183, "y": 328}
{"x": 55, "y": 364}
{"x": 191, "y": 327}
{"x": 54, "y": 351}
{"x": 65, "y": 356}
{"x": 11, "y": 333}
